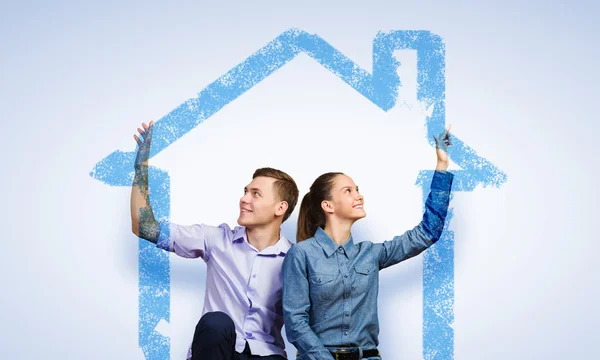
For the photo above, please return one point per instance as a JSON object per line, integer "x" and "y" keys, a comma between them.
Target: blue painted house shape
{"x": 381, "y": 88}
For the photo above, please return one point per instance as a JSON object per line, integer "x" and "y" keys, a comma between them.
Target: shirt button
{"x": 340, "y": 250}
{"x": 345, "y": 275}
{"x": 254, "y": 275}
{"x": 347, "y": 314}
{"x": 345, "y": 333}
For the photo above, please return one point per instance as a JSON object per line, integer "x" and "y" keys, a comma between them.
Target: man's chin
{"x": 243, "y": 222}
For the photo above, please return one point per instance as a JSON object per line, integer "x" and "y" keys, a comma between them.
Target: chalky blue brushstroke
{"x": 381, "y": 88}
{"x": 438, "y": 284}
{"x": 438, "y": 261}
{"x": 154, "y": 275}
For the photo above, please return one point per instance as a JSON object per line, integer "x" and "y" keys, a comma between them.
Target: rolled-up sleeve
{"x": 429, "y": 230}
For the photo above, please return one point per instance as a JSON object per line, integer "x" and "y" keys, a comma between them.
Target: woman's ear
{"x": 327, "y": 206}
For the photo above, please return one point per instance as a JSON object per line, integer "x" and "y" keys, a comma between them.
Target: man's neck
{"x": 261, "y": 237}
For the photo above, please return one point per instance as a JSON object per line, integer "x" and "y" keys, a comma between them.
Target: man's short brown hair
{"x": 285, "y": 187}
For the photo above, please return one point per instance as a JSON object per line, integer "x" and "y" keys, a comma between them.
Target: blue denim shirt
{"x": 330, "y": 291}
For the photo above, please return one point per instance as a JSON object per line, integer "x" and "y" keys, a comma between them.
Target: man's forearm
{"x": 143, "y": 223}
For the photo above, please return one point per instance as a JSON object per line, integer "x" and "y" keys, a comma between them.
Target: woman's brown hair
{"x": 311, "y": 215}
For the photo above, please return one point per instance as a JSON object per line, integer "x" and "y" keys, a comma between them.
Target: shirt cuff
{"x": 442, "y": 180}
{"x": 165, "y": 236}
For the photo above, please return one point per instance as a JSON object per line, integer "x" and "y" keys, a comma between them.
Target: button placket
{"x": 252, "y": 283}
{"x": 343, "y": 266}
{"x": 254, "y": 270}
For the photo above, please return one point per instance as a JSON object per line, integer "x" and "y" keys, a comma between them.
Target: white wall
{"x": 78, "y": 79}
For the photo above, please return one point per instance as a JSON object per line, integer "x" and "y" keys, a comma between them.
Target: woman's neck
{"x": 339, "y": 231}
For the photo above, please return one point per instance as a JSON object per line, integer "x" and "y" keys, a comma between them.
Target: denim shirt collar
{"x": 330, "y": 246}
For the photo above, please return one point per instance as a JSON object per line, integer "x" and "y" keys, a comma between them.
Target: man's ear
{"x": 281, "y": 208}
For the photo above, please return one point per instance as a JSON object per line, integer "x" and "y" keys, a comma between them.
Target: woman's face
{"x": 346, "y": 202}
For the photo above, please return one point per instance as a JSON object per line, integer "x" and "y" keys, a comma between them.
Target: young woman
{"x": 330, "y": 283}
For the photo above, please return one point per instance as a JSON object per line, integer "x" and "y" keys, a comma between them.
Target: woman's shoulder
{"x": 306, "y": 244}
{"x": 364, "y": 244}
{"x": 300, "y": 249}
{"x": 368, "y": 247}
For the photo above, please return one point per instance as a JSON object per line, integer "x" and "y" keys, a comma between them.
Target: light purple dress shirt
{"x": 240, "y": 281}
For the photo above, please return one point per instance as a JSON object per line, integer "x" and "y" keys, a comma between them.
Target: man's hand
{"x": 442, "y": 142}
{"x": 144, "y": 145}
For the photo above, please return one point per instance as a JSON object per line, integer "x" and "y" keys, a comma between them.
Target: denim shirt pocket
{"x": 363, "y": 278}
{"x": 321, "y": 287}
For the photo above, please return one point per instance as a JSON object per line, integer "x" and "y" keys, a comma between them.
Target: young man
{"x": 242, "y": 316}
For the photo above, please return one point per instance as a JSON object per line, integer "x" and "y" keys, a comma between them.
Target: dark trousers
{"x": 214, "y": 339}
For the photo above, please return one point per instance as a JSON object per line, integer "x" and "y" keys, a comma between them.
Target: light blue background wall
{"x": 77, "y": 79}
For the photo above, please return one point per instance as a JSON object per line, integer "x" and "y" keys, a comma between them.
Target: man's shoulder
{"x": 286, "y": 243}
{"x": 228, "y": 230}
{"x": 222, "y": 232}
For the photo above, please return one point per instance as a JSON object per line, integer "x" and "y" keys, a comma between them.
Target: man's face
{"x": 260, "y": 204}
